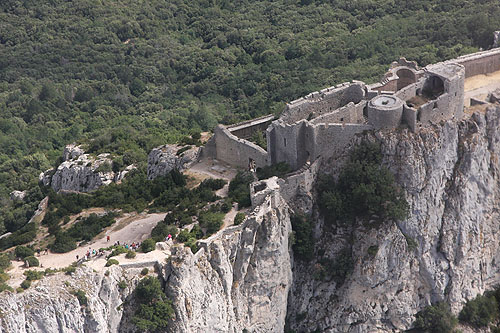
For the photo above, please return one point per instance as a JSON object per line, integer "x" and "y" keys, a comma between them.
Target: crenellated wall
{"x": 324, "y": 101}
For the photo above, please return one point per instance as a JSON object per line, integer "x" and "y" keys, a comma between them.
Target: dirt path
{"x": 479, "y": 86}
{"x": 127, "y": 229}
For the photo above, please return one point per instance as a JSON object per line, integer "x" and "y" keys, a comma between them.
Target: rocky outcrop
{"x": 448, "y": 249}
{"x": 80, "y": 172}
{"x": 17, "y": 195}
{"x": 163, "y": 159}
{"x": 49, "y": 305}
{"x": 83, "y": 174}
{"x": 240, "y": 277}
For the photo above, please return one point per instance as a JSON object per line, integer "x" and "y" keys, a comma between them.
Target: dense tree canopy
{"x": 124, "y": 76}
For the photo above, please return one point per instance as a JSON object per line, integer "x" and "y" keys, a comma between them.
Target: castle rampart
{"x": 323, "y": 123}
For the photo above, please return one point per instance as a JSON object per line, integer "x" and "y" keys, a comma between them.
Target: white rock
{"x": 163, "y": 159}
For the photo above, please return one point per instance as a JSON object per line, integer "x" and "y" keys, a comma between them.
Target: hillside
{"x": 126, "y": 76}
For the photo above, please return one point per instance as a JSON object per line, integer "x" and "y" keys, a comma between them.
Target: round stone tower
{"x": 385, "y": 111}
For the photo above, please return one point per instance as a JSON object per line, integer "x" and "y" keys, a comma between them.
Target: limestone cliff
{"x": 163, "y": 159}
{"x": 239, "y": 279}
{"x": 446, "y": 250}
{"x": 50, "y": 306}
{"x": 82, "y": 172}
{"x": 245, "y": 277}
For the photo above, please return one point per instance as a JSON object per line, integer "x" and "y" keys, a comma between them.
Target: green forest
{"x": 125, "y": 76}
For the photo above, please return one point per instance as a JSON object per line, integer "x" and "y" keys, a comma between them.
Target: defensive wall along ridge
{"x": 323, "y": 123}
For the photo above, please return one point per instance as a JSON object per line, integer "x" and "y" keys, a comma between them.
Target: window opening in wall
{"x": 435, "y": 106}
{"x": 284, "y": 142}
{"x": 341, "y": 119}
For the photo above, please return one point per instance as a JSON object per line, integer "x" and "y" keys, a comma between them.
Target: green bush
{"x": 5, "y": 286}
{"x": 436, "y": 318}
{"x": 69, "y": 270}
{"x": 239, "y": 189}
{"x": 117, "y": 250}
{"x": 280, "y": 170}
{"x": 303, "y": 246}
{"x": 32, "y": 261}
{"x": 80, "y": 295}
{"x": 130, "y": 254}
{"x": 211, "y": 221}
{"x": 63, "y": 243}
{"x": 145, "y": 271}
{"x": 112, "y": 262}
{"x": 4, "y": 277}
{"x": 372, "y": 250}
{"x": 162, "y": 230}
{"x": 238, "y": 218}
{"x": 154, "y": 309}
{"x": 364, "y": 188}
{"x": 26, "y": 284}
{"x": 32, "y": 275}
{"x": 213, "y": 184}
{"x": 4, "y": 261}
{"x": 122, "y": 284}
{"x": 480, "y": 311}
{"x": 148, "y": 245}
{"x": 192, "y": 244}
{"x": 24, "y": 251}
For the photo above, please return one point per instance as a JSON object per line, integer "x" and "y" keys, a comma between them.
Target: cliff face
{"x": 244, "y": 277}
{"x": 239, "y": 279}
{"x": 49, "y": 305}
{"x": 163, "y": 159}
{"x": 82, "y": 172}
{"x": 446, "y": 250}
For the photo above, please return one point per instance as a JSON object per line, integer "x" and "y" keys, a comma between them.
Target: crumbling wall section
{"x": 236, "y": 151}
{"x": 348, "y": 114}
{"x": 289, "y": 143}
{"x": 324, "y": 101}
{"x": 301, "y": 181}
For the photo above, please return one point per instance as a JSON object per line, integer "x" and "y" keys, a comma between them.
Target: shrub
{"x": 32, "y": 261}
{"x": 130, "y": 255}
{"x": 372, "y": 250}
{"x": 4, "y": 286}
{"x": 436, "y": 319}
{"x": 69, "y": 270}
{"x": 145, "y": 271}
{"x": 148, "y": 245}
{"x": 26, "y": 284}
{"x": 280, "y": 170}
{"x": 192, "y": 244}
{"x": 183, "y": 236}
{"x": 238, "y": 218}
{"x": 24, "y": 251}
{"x": 162, "y": 230}
{"x": 154, "y": 309}
{"x": 303, "y": 246}
{"x": 63, "y": 243}
{"x": 4, "y": 261}
{"x": 82, "y": 298}
{"x": 211, "y": 221}
{"x": 117, "y": 250}
{"x": 480, "y": 311}
{"x": 32, "y": 275}
{"x": 122, "y": 284}
{"x": 111, "y": 262}
{"x": 4, "y": 277}
{"x": 213, "y": 184}
{"x": 364, "y": 188}
{"x": 239, "y": 189}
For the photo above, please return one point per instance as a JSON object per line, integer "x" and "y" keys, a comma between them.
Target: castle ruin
{"x": 323, "y": 123}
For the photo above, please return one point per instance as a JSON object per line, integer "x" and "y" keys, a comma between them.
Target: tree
{"x": 436, "y": 318}
{"x": 137, "y": 87}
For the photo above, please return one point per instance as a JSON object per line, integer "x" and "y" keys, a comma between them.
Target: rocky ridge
{"x": 80, "y": 172}
{"x": 163, "y": 159}
{"x": 447, "y": 250}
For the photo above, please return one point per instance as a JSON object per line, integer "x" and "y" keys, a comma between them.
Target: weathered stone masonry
{"x": 323, "y": 123}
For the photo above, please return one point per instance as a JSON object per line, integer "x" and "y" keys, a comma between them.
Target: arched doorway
{"x": 433, "y": 87}
{"x": 406, "y": 77}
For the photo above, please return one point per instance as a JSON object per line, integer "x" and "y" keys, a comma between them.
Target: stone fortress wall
{"x": 321, "y": 124}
